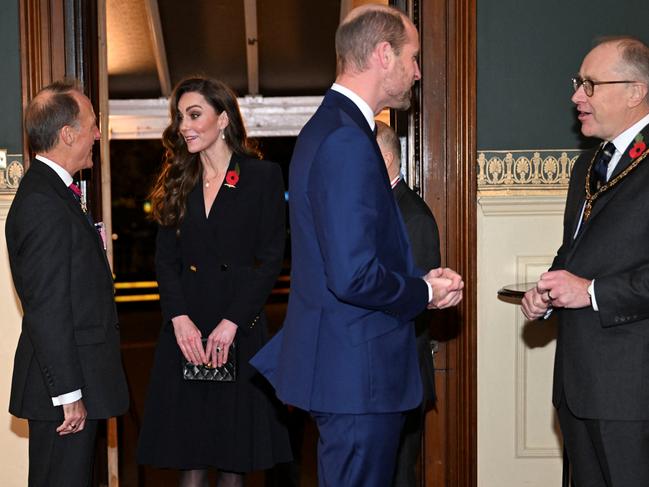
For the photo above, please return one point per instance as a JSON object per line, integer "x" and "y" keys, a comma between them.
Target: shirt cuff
{"x": 591, "y": 293}
{"x": 430, "y": 291}
{"x": 67, "y": 398}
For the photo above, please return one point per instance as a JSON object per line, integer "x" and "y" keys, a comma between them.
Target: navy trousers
{"x": 357, "y": 450}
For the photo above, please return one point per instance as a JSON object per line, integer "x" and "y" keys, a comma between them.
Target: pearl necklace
{"x": 207, "y": 180}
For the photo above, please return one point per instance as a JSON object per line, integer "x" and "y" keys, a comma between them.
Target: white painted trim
{"x": 5, "y": 203}
{"x": 524, "y": 448}
{"x": 522, "y": 205}
{"x": 263, "y": 116}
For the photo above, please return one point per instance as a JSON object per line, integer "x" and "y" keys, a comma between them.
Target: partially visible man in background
{"x": 424, "y": 243}
{"x": 67, "y": 370}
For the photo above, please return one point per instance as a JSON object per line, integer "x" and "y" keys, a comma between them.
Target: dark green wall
{"x": 527, "y": 53}
{"x": 10, "y": 95}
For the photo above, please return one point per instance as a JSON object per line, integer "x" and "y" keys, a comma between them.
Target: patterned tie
{"x": 75, "y": 189}
{"x": 99, "y": 227}
{"x": 600, "y": 167}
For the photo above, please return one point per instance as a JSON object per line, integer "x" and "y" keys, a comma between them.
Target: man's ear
{"x": 67, "y": 135}
{"x": 638, "y": 94}
{"x": 388, "y": 157}
{"x": 384, "y": 54}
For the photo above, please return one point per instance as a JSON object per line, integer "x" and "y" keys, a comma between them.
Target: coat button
{"x": 224, "y": 267}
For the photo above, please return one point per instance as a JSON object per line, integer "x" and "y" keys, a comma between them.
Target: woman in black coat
{"x": 219, "y": 251}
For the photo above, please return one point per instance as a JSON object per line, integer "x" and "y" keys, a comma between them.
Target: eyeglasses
{"x": 589, "y": 84}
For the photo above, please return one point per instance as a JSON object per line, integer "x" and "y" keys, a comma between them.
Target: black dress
{"x": 222, "y": 266}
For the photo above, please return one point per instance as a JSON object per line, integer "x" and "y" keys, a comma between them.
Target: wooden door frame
{"x": 441, "y": 131}
{"x": 58, "y": 40}
{"x": 448, "y": 124}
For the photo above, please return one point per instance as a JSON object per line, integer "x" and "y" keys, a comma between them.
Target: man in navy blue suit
{"x": 347, "y": 350}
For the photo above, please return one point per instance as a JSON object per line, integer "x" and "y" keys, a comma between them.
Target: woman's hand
{"x": 219, "y": 341}
{"x": 188, "y": 337}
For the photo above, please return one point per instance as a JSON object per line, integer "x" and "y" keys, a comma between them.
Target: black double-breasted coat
{"x": 212, "y": 267}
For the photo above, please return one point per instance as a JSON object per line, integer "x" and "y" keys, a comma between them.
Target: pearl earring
{"x": 223, "y": 134}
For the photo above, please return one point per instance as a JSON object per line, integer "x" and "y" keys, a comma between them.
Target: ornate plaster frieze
{"x": 502, "y": 172}
{"x": 11, "y": 171}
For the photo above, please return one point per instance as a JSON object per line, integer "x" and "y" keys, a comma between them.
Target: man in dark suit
{"x": 599, "y": 281}
{"x": 424, "y": 242}
{"x": 347, "y": 350}
{"x": 67, "y": 370}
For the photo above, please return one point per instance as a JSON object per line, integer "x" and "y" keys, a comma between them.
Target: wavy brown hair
{"x": 181, "y": 169}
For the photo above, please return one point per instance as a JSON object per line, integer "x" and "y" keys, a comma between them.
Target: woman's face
{"x": 199, "y": 124}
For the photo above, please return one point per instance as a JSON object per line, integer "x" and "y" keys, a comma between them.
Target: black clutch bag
{"x": 226, "y": 373}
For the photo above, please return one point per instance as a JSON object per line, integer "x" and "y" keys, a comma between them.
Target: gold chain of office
{"x": 590, "y": 198}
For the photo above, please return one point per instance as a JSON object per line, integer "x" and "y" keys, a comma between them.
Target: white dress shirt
{"x": 362, "y": 105}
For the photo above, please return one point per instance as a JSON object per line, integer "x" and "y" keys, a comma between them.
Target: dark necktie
{"x": 600, "y": 167}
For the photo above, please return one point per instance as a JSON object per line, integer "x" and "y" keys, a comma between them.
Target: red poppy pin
{"x": 232, "y": 177}
{"x": 638, "y": 147}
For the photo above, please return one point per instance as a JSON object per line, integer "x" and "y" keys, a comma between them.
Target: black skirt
{"x": 233, "y": 426}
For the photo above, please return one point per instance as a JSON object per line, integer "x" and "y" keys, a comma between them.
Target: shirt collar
{"x": 622, "y": 141}
{"x": 62, "y": 173}
{"x": 362, "y": 105}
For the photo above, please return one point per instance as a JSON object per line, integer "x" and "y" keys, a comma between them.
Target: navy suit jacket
{"x": 348, "y": 342}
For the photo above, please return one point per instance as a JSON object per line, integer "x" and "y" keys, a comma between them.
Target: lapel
{"x": 609, "y": 195}
{"x": 222, "y": 207}
{"x": 352, "y": 111}
{"x": 344, "y": 104}
{"x": 55, "y": 183}
{"x": 626, "y": 155}
{"x": 349, "y": 107}
{"x": 227, "y": 195}
{"x": 224, "y": 200}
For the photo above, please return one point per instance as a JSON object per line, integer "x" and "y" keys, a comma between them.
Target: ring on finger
{"x": 218, "y": 349}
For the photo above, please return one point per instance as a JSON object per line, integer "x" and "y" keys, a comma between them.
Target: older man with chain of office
{"x": 599, "y": 281}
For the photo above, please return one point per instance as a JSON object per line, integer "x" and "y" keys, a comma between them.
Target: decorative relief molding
{"x": 524, "y": 171}
{"x": 528, "y": 444}
{"x": 11, "y": 172}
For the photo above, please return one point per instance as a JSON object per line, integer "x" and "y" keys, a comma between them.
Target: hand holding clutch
{"x": 209, "y": 372}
